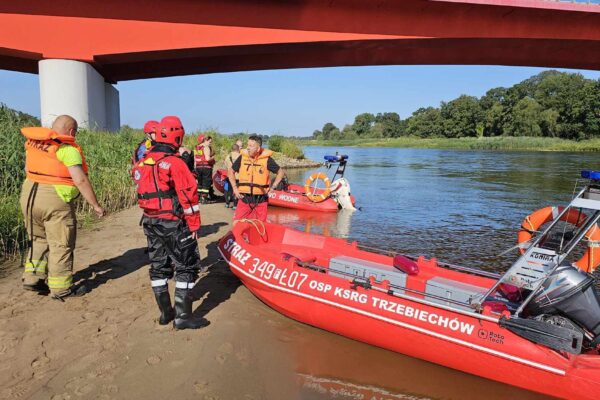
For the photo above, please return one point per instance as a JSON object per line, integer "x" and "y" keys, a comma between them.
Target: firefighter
{"x": 56, "y": 175}
{"x": 167, "y": 193}
{"x": 147, "y": 143}
{"x": 203, "y": 164}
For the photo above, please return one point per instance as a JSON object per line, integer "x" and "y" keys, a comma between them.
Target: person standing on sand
{"x": 231, "y": 158}
{"x": 203, "y": 164}
{"x": 56, "y": 173}
{"x": 253, "y": 167}
{"x": 167, "y": 193}
{"x": 146, "y": 144}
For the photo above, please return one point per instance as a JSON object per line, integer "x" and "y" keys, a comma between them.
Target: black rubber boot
{"x": 167, "y": 314}
{"x": 183, "y": 311}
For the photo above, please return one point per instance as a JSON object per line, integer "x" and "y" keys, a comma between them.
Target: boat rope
{"x": 262, "y": 230}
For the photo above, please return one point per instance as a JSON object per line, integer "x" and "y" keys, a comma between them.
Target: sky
{"x": 287, "y": 102}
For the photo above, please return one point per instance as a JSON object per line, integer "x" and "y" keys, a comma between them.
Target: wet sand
{"x": 108, "y": 344}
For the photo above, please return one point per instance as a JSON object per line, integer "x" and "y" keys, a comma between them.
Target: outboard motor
{"x": 336, "y": 158}
{"x": 340, "y": 191}
{"x": 569, "y": 292}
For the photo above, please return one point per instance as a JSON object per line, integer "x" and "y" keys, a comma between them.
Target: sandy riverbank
{"x": 108, "y": 344}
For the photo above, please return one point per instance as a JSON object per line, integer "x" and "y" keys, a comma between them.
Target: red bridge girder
{"x": 143, "y": 39}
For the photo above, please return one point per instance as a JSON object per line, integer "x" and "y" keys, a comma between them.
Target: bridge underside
{"x": 141, "y": 39}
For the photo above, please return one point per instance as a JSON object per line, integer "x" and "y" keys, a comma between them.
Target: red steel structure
{"x": 138, "y": 39}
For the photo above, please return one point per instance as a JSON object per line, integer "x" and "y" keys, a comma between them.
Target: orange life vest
{"x": 41, "y": 164}
{"x": 254, "y": 177}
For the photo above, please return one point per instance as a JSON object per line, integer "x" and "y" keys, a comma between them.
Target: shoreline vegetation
{"x": 501, "y": 143}
{"x": 108, "y": 156}
{"x": 552, "y": 110}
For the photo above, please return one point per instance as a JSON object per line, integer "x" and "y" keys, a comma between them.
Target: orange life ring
{"x": 590, "y": 259}
{"x": 310, "y": 192}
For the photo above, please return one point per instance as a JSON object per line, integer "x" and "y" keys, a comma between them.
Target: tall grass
{"x": 108, "y": 156}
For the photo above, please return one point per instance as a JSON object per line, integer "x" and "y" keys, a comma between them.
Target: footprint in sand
{"x": 103, "y": 370}
{"x": 62, "y": 396}
{"x": 153, "y": 360}
{"x": 111, "y": 389}
{"x": 40, "y": 362}
{"x": 224, "y": 351}
{"x": 243, "y": 356}
{"x": 200, "y": 387}
{"x": 15, "y": 392}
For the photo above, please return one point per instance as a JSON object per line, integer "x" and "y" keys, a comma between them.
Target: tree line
{"x": 550, "y": 104}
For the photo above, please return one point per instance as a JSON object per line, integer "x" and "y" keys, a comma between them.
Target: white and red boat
{"x": 536, "y": 327}
{"x": 335, "y": 194}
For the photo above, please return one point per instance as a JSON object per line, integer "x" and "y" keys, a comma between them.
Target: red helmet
{"x": 201, "y": 138}
{"x": 170, "y": 131}
{"x": 150, "y": 126}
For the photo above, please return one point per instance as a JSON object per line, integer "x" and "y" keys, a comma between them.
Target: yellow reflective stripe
{"x": 36, "y": 266}
{"x": 60, "y": 282}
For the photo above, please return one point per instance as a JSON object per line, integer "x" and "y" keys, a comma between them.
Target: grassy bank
{"x": 485, "y": 143}
{"x": 108, "y": 156}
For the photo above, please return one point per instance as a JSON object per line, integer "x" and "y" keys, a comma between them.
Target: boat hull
{"x": 430, "y": 332}
{"x": 294, "y": 198}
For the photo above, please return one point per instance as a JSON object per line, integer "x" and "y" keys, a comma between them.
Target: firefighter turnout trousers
{"x": 52, "y": 228}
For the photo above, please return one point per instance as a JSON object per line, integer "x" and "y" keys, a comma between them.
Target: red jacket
{"x": 166, "y": 187}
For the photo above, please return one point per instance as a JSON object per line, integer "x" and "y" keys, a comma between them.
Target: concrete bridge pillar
{"x": 77, "y": 89}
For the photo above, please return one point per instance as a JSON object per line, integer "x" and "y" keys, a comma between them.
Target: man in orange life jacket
{"x": 253, "y": 187}
{"x": 56, "y": 172}
{"x": 147, "y": 143}
{"x": 204, "y": 161}
{"x": 168, "y": 195}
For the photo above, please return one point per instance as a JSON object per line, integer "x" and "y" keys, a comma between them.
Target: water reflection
{"x": 463, "y": 207}
{"x": 326, "y": 223}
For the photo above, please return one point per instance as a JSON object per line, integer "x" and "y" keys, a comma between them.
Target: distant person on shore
{"x": 230, "y": 199}
{"x": 56, "y": 173}
{"x": 146, "y": 144}
{"x": 187, "y": 156}
{"x": 254, "y": 181}
{"x": 203, "y": 164}
{"x": 167, "y": 193}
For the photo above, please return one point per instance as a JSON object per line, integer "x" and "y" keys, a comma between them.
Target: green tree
{"x": 526, "y": 119}
{"x": 327, "y": 130}
{"x": 390, "y": 124}
{"x": 425, "y": 122}
{"x": 348, "y": 132}
{"x": 461, "y": 117}
{"x": 363, "y": 123}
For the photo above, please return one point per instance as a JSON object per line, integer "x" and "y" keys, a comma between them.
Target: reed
{"x": 108, "y": 156}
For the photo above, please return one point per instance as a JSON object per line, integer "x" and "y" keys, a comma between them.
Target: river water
{"x": 463, "y": 207}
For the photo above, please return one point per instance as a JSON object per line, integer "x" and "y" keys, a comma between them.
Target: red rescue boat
{"x": 219, "y": 179}
{"x": 536, "y": 327}
{"x": 295, "y": 197}
{"x": 334, "y": 196}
